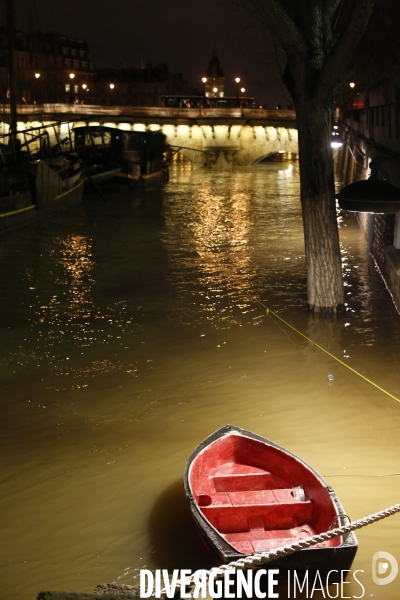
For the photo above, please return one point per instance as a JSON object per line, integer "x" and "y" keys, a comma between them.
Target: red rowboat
{"x": 249, "y": 495}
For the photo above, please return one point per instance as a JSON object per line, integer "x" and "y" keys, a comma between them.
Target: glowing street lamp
{"x": 352, "y": 84}
{"x": 112, "y": 86}
{"x": 204, "y": 80}
{"x": 215, "y": 90}
{"x": 336, "y": 141}
{"x": 84, "y": 86}
{"x": 237, "y": 79}
{"x": 72, "y": 75}
{"x": 36, "y": 88}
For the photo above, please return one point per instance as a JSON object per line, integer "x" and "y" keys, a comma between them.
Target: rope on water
{"x": 254, "y": 560}
{"x": 269, "y": 311}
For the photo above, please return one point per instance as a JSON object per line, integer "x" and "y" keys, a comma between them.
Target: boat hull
{"x": 144, "y": 181}
{"x": 52, "y": 195}
{"x": 17, "y": 210}
{"x": 241, "y": 490}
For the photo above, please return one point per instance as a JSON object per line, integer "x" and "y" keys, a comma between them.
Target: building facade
{"x": 54, "y": 68}
{"x": 138, "y": 87}
{"x": 48, "y": 67}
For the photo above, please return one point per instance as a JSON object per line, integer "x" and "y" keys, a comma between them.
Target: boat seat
{"x": 285, "y": 496}
{"x": 237, "y": 482}
{"x": 247, "y": 497}
{"x": 253, "y": 497}
{"x": 239, "y": 518}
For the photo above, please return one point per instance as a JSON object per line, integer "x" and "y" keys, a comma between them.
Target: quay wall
{"x": 371, "y": 128}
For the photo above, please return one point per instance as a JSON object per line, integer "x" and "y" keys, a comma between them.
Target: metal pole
{"x": 11, "y": 76}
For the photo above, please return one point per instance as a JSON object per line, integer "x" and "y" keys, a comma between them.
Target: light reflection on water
{"x": 217, "y": 238}
{"x": 131, "y": 331}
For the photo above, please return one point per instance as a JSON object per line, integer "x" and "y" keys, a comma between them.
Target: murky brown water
{"x": 130, "y": 331}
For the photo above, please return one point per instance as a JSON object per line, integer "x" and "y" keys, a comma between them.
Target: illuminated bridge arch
{"x": 216, "y": 137}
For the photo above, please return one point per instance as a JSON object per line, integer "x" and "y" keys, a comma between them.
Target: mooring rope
{"x": 260, "y": 558}
{"x": 269, "y": 311}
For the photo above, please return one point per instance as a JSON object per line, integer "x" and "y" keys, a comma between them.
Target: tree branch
{"x": 277, "y": 18}
{"x": 277, "y": 56}
{"x": 330, "y": 6}
{"x": 347, "y": 43}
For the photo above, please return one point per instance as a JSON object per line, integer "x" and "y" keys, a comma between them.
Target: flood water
{"x": 131, "y": 330}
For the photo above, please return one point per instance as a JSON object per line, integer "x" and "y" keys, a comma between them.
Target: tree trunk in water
{"x": 325, "y": 291}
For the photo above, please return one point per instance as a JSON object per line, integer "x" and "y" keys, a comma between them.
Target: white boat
{"x": 45, "y": 191}
{"x": 33, "y": 189}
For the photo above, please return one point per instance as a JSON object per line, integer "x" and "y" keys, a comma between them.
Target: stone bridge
{"x": 216, "y": 137}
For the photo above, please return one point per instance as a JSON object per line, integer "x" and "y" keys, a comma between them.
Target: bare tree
{"x": 319, "y": 38}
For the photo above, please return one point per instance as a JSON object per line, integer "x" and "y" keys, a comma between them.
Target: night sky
{"x": 182, "y": 34}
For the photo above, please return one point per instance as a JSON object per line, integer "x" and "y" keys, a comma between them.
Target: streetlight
{"x": 72, "y": 75}
{"x": 237, "y": 79}
{"x": 112, "y": 86}
{"x": 242, "y": 91}
{"x": 36, "y": 94}
{"x": 204, "y": 80}
{"x": 84, "y": 86}
{"x": 215, "y": 90}
{"x": 336, "y": 140}
{"x": 352, "y": 84}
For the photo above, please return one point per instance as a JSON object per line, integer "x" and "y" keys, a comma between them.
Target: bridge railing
{"x": 82, "y": 110}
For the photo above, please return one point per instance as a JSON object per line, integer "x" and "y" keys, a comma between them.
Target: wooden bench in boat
{"x": 252, "y": 514}
{"x": 253, "y": 497}
{"x": 229, "y": 518}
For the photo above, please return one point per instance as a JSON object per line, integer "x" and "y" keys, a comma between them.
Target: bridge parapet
{"x": 226, "y": 136}
{"x": 73, "y": 112}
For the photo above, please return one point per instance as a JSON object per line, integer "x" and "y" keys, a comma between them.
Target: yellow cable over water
{"x": 268, "y": 310}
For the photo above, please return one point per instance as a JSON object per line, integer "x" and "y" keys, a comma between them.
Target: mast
{"x": 11, "y": 75}
{"x": 30, "y": 18}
